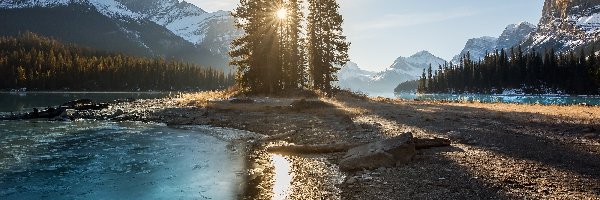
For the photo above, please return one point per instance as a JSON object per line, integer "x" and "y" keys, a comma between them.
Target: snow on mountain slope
{"x": 352, "y": 70}
{"x": 590, "y": 24}
{"x": 352, "y": 77}
{"x": 180, "y": 17}
{"x": 113, "y": 9}
{"x": 567, "y": 25}
{"x": 414, "y": 65}
{"x": 11, "y": 4}
{"x": 477, "y": 48}
{"x": 213, "y": 31}
{"x": 512, "y": 36}
{"x": 110, "y": 8}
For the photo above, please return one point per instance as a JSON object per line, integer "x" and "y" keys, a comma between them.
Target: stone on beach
{"x": 386, "y": 153}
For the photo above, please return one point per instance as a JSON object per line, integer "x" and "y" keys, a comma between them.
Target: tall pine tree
{"x": 326, "y": 46}
{"x": 257, "y": 53}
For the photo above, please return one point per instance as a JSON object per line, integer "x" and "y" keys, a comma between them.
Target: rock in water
{"x": 386, "y": 153}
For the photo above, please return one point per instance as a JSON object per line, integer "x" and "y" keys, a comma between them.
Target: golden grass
{"x": 203, "y": 98}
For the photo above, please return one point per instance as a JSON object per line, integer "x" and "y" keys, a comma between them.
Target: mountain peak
{"x": 422, "y": 53}
{"x": 522, "y": 24}
{"x": 566, "y": 25}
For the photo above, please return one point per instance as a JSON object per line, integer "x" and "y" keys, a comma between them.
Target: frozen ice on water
{"x": 115, "y": 161}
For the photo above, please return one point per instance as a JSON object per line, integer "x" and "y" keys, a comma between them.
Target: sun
{"x": 281, "y": 13}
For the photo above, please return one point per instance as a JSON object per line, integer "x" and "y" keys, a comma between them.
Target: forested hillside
{"x": 531, "y": 73}
{"x": 40, "y": 63}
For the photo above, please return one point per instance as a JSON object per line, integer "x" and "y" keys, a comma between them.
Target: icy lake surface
{"x": 108, "y": 160}
{"x": 520, "y": 99}
{"x": 20, "y": 102}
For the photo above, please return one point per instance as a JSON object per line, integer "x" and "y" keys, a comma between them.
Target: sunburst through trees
{"x": 282, "y": 50}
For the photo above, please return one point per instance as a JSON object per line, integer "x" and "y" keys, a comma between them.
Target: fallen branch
{"x": 420, "y": 143}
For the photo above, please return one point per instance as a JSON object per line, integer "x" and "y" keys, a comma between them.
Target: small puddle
{"x": 294, "y": 177}
{"x": 282, "y": 177}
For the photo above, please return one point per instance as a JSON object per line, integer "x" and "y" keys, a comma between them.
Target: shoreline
{"x": 499, "y": 151}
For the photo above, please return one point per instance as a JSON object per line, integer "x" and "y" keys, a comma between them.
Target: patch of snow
{"x": 192, "y": 28}
{"x": 112, "y": 8}
{"x": 12, "y": 4}
{"x": 352, "y": 70}
{"x": 590, "y": 24}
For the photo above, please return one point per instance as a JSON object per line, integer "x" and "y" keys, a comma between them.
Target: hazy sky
{"x": 382, "y": 30}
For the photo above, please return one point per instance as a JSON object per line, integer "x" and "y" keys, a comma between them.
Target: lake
{"x": 112, "y": 160}
{"x": 521, "y": 99}
{"x": 25, "y": 101}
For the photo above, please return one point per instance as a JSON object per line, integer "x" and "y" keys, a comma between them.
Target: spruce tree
{"x": 326, "y": 46}
{"x": 256, "y": 53}
{"x": 293, "y": 54}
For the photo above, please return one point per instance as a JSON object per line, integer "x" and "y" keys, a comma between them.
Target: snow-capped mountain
{"x": 110, "y": 8}
{"x": 403, "y": 69}
{"x": 352, "y": 70}
{"x": 413, "y": 66}
{"x": 167, "y": 28}
{"x": 214, "y": 31}
{"x": 567, "y": 25}
{"x": 477, "y": 48}
{"x": 512, "y": 36}
{"x": 351, "y": 76}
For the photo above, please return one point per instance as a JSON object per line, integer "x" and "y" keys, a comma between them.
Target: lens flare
{"x": 281, "y": 13}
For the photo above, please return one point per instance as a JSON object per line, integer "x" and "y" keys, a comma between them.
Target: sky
{"x": 382, "y": 30}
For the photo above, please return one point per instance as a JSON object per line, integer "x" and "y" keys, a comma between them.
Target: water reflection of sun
{"x": 282, "y": 177}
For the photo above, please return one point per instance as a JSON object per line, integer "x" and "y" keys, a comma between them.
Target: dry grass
{"x": 201, "y": 99}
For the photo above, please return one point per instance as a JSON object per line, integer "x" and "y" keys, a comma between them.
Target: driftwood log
{"x": 420, "y": 143}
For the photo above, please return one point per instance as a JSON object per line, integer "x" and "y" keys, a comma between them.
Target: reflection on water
{"x": 523, "y": 99}
{"x": 16, "y": 102}
{"x": 282, "y": 177}
{"x": 294, "y": 177}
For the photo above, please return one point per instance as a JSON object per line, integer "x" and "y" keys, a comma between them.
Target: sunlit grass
{"x": 202, "y": 98}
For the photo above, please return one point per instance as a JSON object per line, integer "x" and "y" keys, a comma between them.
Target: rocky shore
{"x": 497, "y": 151}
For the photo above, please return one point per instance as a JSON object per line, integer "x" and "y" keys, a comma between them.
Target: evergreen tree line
{"x": 40, "y": 63}
{"x": 280, "y": 54}
{"x": 533, "y": 73}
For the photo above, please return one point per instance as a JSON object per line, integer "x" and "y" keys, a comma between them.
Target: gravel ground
{"x": 499, "y": 151}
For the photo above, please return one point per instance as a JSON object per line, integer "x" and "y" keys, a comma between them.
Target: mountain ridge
{"x": 513, "y": 35}
{"x": 194, "y": 34}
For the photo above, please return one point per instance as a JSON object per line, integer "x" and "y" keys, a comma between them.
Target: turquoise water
{"x": 26, "y": 101}
{"x": 110, "y": 160}
{"x": 521, "y": 99}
